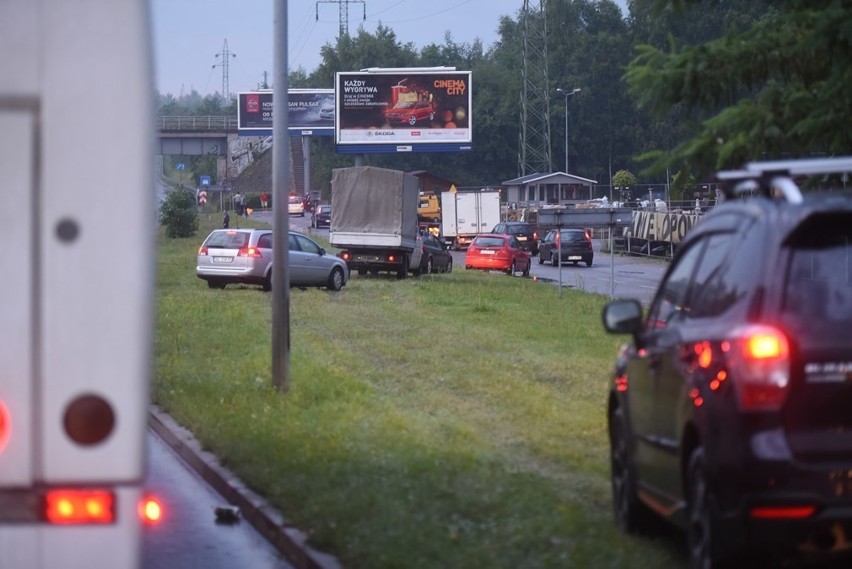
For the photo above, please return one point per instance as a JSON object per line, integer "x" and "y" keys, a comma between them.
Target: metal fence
{"x": 196, "y": 123}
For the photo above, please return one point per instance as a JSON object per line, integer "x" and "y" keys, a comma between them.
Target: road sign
{"x": 180, "y": 166}
{"x": 597, "y": 217}
{"x": 205, "y": 180}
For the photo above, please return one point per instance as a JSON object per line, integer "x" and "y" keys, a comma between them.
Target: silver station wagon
{"x": 230, "y": 256}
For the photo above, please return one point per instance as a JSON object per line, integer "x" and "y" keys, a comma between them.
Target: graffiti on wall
{"x": 655, "y": 226}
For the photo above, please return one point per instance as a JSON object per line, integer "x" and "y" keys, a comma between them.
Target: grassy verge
{"x": 446, "y": 421}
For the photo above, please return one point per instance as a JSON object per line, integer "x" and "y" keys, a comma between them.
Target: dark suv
{"x": 730, "y": 412}
{"x": 525, "y": 232}
{"x": 573, "y": 244}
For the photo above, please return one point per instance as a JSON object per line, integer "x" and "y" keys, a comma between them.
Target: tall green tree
{"x": 778, "y": 88}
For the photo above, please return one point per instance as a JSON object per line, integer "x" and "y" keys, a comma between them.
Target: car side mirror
{"x": 321, "y": 251}
{"x": 623, "y": 317}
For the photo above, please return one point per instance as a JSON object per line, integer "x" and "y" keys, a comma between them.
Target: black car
{"x": 525, "y": 232}
{"x": 321, "y": 216}
{"x": 436, "y": 258}
{"x": 730, "y": 412}
{"x": 575, "y": 246}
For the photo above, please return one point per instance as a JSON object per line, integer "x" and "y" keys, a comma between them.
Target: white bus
{"x": 76, "y": 292}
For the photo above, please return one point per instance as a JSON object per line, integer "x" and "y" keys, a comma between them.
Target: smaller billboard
{"x": 408, "y": 109}
{"x": 310, "y": 111}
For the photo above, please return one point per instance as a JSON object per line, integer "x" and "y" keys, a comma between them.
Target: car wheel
{"x": 402, "y": 272}
{"x": 527, "y": 270}
{"x": 589, "y": 263}
{"x": 215, "y": 284}
{"x": 449, "y": 268}
{"x": 267, "y": 282}
{"x": 412, "y": 120}
{"x": 428, "y": 270}
{"x": 630, "y": 513}
{"x": 335, "y": 279}
{"x": 540, "y": 258}
{"x": 701, "y": 532}
{"x": 553, "y": 259}
{"x": 512, "y": 269}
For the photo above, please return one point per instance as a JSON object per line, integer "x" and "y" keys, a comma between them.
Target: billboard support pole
{"x": 306, "y": 160}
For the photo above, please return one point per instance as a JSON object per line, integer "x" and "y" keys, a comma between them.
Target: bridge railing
{"x": 196, "y": 123}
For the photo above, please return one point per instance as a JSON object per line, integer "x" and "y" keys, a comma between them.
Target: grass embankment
{"x": 453, "y": 421}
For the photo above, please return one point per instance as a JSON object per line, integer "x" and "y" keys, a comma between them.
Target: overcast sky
{"x": 188, "y": 34}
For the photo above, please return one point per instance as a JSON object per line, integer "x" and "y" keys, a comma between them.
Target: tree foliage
{"x": 179, "y": 214}
{"x": 777, "y": 88}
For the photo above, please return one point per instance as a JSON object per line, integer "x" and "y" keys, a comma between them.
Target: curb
{"x": 291, "y": 542}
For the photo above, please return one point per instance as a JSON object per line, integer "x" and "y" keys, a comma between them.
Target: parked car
{"x": 321, "y": 216}
{"x": 729, "y": 411}
{"x": 296, "y": 205}
{"x": 493, "y": 252}
{"x": 524, "y": 231}
{"x": 436, "y": 256}
{"x": 410, "y": 112}
{"x": 575, "y": 244}
{"x": 230, "y": 256}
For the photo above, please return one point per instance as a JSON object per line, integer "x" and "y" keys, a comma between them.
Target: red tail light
{"x": 391, "y": 259}
{"x": 760, "y": 364}
{"x": 202, "y": 250}
{"x": 345, "y": 255}
{"x": 249, "y": 252}
{"x": 5, "y": 426}
{"x": 783, "y": 512}
{"x": 150, "y": 510}
{"x": 79, "y": 507}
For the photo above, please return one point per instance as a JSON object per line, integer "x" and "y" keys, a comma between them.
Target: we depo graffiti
{"x": 655, "y": 226}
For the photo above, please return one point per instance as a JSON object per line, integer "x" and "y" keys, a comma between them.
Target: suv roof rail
{"x": 774, "y": 178}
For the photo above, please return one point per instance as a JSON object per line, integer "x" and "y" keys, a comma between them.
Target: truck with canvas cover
{"x": 374, "y": 220}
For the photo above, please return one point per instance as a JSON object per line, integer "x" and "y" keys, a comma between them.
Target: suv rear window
{"x": 819, "y": 282}
{"x": 519, "y": 229}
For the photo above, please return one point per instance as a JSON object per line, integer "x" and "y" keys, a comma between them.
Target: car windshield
{"x": 228, "y": 240}
{"x": 404, "y": 105}
{"x": 295, "y": 199}
{"x": 489, "y": 241}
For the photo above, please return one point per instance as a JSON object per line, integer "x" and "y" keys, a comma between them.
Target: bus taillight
{"x": 79, "y": 507}
{"x": 150, "y": 510}
{"x": 5, "y": 426}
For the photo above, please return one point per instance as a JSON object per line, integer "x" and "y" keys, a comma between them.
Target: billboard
{"x": 310, "y": 111}
{"x": 403, "y": 110}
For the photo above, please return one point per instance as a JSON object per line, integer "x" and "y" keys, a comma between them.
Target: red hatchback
{"x": 494, "y": 252}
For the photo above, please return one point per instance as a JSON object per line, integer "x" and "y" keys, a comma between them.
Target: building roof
{"x": 539, "y": 177}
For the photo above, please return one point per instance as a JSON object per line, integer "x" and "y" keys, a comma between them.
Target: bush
{"x": 179, "y": 214}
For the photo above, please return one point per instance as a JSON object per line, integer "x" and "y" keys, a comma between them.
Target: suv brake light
{"x": 759, "y": 358}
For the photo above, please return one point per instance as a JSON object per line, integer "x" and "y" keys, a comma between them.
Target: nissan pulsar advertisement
{"x": 308, "y": 109}
{"x": 403, "y": 108}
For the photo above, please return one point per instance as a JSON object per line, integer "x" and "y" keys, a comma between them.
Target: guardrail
{"x": 196, "y": 123}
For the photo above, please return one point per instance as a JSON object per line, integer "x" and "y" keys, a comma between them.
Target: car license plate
{"x": 487, "y": 252}
{"x": 223, "y": 259}
{"x": 521, "y": 238}
{"x": 574, "y": 258}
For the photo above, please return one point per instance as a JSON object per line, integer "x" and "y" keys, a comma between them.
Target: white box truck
{"x": 464, "y": 215}
{"x": 374, "y": 220}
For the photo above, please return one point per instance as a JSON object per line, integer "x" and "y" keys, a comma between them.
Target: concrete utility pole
{"x": 343, "y": 13}
{"x": 225, "y": 55}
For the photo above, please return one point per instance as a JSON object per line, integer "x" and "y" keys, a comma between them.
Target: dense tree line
{"x": 675, "y": 85}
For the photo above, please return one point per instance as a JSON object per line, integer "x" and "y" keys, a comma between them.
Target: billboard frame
{"x": 300, "y": 102}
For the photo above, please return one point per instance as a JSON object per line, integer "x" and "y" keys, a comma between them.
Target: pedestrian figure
{"x": 264, "y": 200}
{"x": 226, "y": 221}
{"x": 238, "y": 203}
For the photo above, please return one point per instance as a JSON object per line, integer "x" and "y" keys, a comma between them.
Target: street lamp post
{"x": 566, "y": 94}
